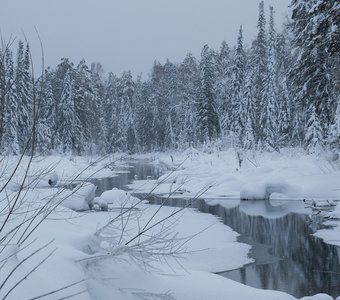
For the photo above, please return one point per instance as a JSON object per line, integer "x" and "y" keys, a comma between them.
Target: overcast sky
{"x": 131, "y": 34}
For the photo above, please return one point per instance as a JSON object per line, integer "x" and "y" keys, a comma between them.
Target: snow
{"x": 291, "y": 172}
{"x": 80, "y": 198}
{"x": 78, "y": 237}
{"x": 263, "y": 190}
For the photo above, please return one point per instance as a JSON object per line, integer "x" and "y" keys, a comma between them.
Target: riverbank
{"x": 227, "y": 173}
{"x": 116, "y": 274}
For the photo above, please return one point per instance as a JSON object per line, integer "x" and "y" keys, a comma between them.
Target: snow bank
{"x": 319, "y": 297}
{"x": 263, "y": 190}
{"x": 72, "y": 234}
{"x": 292, "y": 172}
{"x": 80, "y": 198}
{"x": 116, "y": 197}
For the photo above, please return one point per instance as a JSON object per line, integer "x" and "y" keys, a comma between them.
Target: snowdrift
{"x": 263, "y": 190}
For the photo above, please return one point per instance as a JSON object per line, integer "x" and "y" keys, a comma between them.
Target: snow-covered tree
{"x": 46, "y": 123}
{"x": 285, "y": 109}
{"x": 225, "y": 107}
{"x": 270, "y": 134}
{"x": 23, "y": 82}
{"x": 67, "y": 116}
{"x": 312, "y": 73}
{"x": 187, "y": 110}
{"x": 260, "y": 73}
{"x": 9, "y": 142}
{"x": 208, "y": 118}
{"x": 126, "y": 132}
{"x": 313, "y": 139}
{"x": 238, "y": 90}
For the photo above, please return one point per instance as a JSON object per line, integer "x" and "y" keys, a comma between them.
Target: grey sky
{"x": 130, "y": 34}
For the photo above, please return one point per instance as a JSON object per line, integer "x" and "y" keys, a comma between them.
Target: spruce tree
{"x": 207, "y": 116}
{"x": 46, "y": 130}
{"x": 67, "y": 116}
{"x": 9, "y": 142}
{"x": 111, "y": 110}
{"x": 187, "y": 111}
{"x": 238, "y": 90}
{"x": 312, "y": 74}
{"x": 271, "y": 138}
{"x": 260, "y": 65}
{"x": 225, "y": 106}
{"x": 313, "y": 138}
{"x": 24, "y": 93}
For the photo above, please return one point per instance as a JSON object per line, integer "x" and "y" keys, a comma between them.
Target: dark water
{"x": 288, "y": 258}
{"x": 137, "y": 169}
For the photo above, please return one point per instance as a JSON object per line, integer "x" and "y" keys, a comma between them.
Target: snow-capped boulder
{"x": 263, "y": 190}
{"x": 81, "y": 197}
{"x": 320, "y": 296}
{"x": 52, "y": 179}
{"x": 335, "y": 214}
{"x": 117, "y": 198}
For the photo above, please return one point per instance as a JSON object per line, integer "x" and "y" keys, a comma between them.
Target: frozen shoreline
{"x": 72, "y": 237}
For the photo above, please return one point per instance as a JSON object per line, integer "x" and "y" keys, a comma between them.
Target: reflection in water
{"x": 302, "y": 265}
{"x": 138, "y": 169}
{"x": 288, "y": 258}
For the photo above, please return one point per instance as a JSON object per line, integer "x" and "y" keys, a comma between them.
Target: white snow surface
{"x": 75, "y": 237}
{"x": 291, "y": 173}
{"x": 288, "y": 175}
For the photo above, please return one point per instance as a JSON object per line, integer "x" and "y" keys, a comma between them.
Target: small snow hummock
{"x": 81, "y": 198}
{"x": 53, "y": 179}
{"x": 116, "y": 197}
{"x": 263, "y": 190}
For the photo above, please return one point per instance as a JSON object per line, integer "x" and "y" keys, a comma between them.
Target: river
{"x": 287, "y": 256}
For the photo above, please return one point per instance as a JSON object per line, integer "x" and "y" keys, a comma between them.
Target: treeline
{"x": 281, "y": 91}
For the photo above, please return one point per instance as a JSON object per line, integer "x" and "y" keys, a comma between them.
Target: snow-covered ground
{"x": 290, "y": 174}
{"x": 103, "y": 257}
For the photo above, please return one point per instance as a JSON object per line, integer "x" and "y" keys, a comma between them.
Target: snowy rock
{"x": 320, "y": 205}
{"x": 335, "y": 214}
{"x": 102, "y": 204}
{"x": 53, "y": 178}
{"x": 81, "y": 197}
{"x": 117, "y": 197}
{"x": 263, "y": 190}
{"x": 318, "y": 297}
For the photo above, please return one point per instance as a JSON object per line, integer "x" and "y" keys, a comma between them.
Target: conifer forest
{"x": 282, "y": 90}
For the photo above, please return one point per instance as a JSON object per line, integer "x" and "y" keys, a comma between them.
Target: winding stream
{"x": 287, "y": 256}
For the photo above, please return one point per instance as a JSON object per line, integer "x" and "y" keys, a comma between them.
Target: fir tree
{"x": 187, "y": 110}
{"x": 9, "y": 142}
{"x": 285, "y": 102}
{"x": 24, "y": 94}
{"x": 260, "y": 63}
{"x": 313, "y": 140}
{"x": 46, "y": 123}
{"x": 271, "y": 139}
{"x": 208, "y": 119}
{"x": 238, "y": 90}
{"x": 67, "y": 116}
{"x": 225, "y": 106}
{"x": 111, "y": 111}
{"x": 312, "y": 73}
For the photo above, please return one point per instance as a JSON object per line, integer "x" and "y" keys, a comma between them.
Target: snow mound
{"x": 263, "y": 190}
{"x": 318, "y": 297}
{"x": 335, "y": 214}
{"x": 169, "y": 178}
{"x": 116, "y": 197}
{"x": 81, "y": 197}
